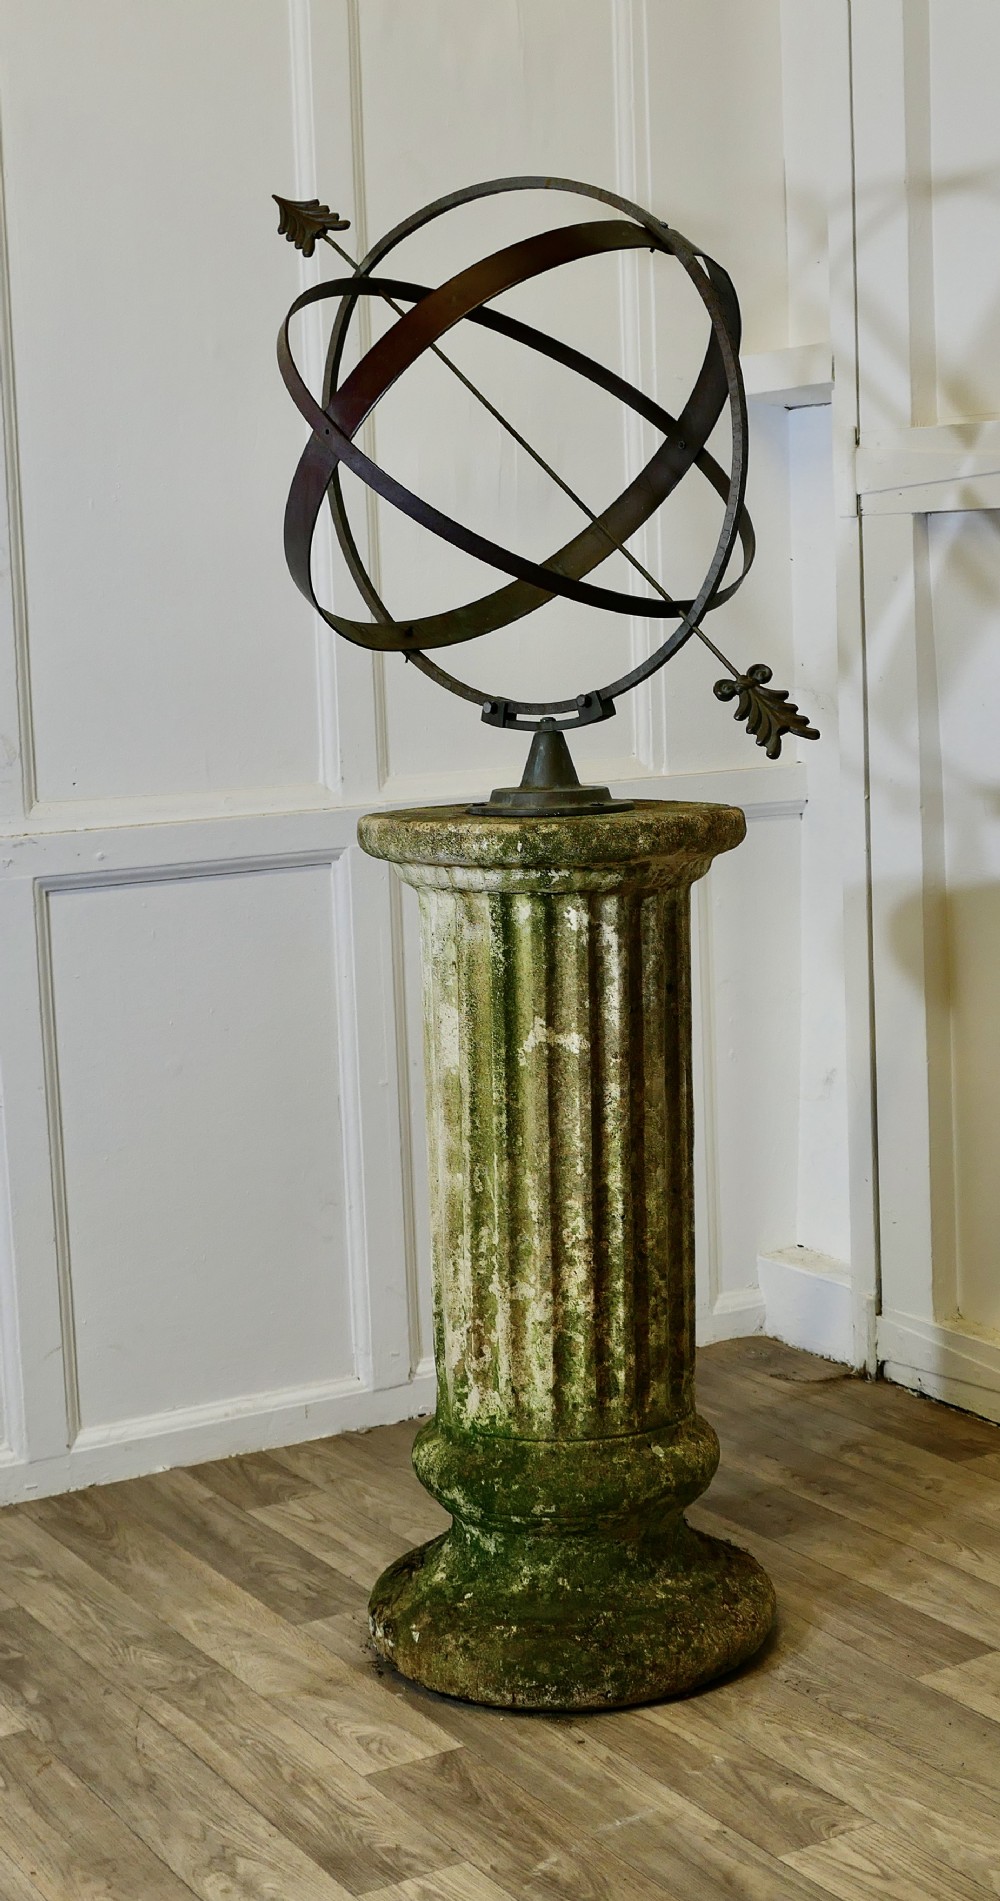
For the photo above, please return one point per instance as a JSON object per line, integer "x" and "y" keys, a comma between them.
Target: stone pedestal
{"x": 565, "y": 1443}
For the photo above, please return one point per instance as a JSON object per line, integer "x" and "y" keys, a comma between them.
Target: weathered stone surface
{"x": 565, "y": 1443}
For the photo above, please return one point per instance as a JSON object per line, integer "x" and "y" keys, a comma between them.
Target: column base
{"x": 570, "y": 1622}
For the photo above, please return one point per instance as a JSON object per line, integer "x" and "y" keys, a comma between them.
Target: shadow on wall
{"x": 948, "y": 944}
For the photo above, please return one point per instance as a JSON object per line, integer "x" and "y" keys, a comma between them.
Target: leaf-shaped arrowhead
{"x": 769, "y": 713}
{"x": 303, "y": 220}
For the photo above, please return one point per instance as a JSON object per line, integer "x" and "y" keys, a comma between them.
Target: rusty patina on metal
{"x": 346, "y": 404}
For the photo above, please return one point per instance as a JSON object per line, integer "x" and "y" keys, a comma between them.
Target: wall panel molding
{"x": 31, "y": 1313}
{"x": 373, "y": 1061}
{"x": 17, "y": 744}
{"x": 708, "y": 1213}
{"x": 851, "y": 687}
{"x": 57, "y": 1164}
{"x": 305, "y": 185}
{"x": 178, "y": 878}
{"x": 380, "y": 1262}
{"x": 408, "y": 1130}
{"x": 637, "y": 316}
{"x": 191, "y": 1435}
{"x": 762, "y": 791}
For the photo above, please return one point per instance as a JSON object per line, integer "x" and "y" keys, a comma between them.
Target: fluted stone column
{"x": 565, "y": 1443}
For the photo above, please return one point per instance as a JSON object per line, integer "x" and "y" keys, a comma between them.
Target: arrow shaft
{"x": 553, "y": 474}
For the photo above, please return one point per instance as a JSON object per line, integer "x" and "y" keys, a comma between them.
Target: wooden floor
{"x": 187, "y": 1707}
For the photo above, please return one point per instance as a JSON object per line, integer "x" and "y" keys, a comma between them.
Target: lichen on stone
{"x": 565, "y": 1443}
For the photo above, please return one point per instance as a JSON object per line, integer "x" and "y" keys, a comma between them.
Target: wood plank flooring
{"x": 187, "y": 1706}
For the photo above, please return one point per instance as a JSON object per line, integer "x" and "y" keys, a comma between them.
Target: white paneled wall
{"x": 140, "y": 145}
{"x": 180, "y": 1043}
{"x": 927, "y": 157}
{"x": 209, "y": 1026}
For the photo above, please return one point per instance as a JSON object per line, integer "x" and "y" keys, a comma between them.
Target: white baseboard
{"x": 809, "y": 1303}
{"x": 731, "y": 1317}
{"x": 131, "y": 1448}
{"x": 943, "y": 1358}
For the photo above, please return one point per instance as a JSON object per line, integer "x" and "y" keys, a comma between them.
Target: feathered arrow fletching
{"x": 303, "y": 220}
{"x": 769, "y": 713}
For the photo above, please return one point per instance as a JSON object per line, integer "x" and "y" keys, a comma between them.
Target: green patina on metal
{"x": 565, "y": 1443}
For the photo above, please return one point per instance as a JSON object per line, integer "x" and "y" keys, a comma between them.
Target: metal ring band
{"x": 431, "y": 316}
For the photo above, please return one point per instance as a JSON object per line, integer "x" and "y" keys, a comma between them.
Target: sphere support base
{"x": 550, "y": 786}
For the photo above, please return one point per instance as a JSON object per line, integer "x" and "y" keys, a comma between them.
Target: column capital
{"x": 657, "y": 844}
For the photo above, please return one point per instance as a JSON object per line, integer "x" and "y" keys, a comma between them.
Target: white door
{"x": 928, "y": 247}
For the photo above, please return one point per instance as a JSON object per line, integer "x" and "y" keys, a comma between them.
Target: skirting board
{"x": 133, "y": 1447}
{"x": 808, "y": 1303}
{"x": 942, "y": 1359}
{"x": 731, "y": 1316}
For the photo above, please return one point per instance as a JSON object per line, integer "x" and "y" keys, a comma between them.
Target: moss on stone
{"x": 565, "y": 1443}
{"x": 570, "y": 1622}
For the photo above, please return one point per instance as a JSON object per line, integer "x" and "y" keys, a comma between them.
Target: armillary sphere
{"x": 424, "y": 316}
